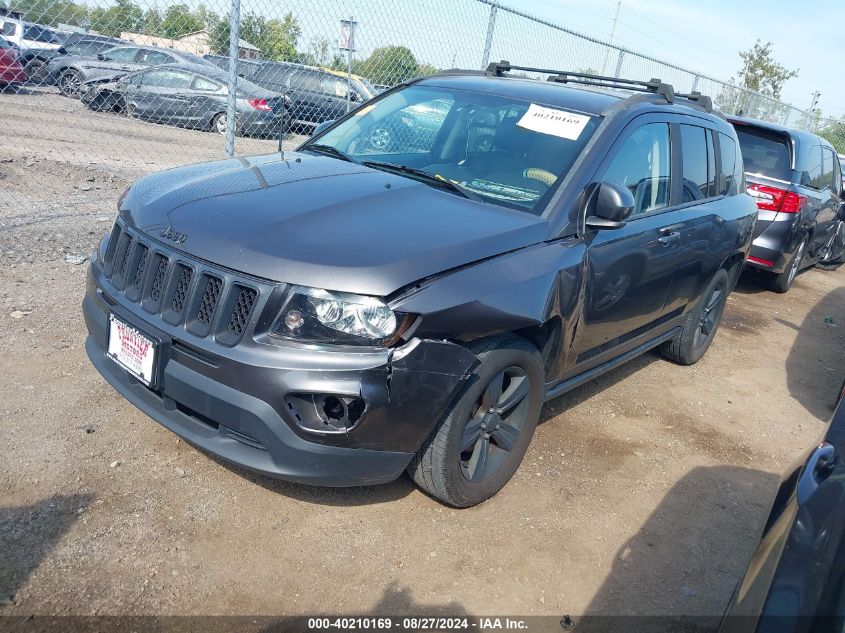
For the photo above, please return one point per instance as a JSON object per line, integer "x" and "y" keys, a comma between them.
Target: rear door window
{"x": 154, "y": 58}
{"x": 727, "y": 159}
{"x": 826, "y": 178}
{"x": 167, "y": 79}
{"x": 811, "y": 175}
{"x": 642, "y": 165}
{"x": 206, "y": 85}
{"x": 126, "y": 55}
{"x": 764, "y": 153}
{"x": 696, "y": 163}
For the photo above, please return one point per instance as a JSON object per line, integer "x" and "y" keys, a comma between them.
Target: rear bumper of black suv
{"x": 241, "y": 412}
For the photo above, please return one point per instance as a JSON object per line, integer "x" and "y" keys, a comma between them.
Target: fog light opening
{"x": 355, "y": 409}
{"x": 333, "y": 408}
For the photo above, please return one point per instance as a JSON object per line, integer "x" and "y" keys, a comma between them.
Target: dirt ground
{"x": 643, "y": 492}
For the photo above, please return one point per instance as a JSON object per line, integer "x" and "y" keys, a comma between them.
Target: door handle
{"x": 668, "y": 238}
{"x": 819, "y": 466}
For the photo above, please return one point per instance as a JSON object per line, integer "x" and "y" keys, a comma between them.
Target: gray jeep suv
{"x": 344, "y": 312}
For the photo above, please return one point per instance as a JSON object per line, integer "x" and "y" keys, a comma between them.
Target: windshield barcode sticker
{"x": 555, "y": 122}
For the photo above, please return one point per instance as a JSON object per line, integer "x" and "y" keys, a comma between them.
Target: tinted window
{"x": 642, "y": 164}
{"x": 273, "y": 74}
{"x": 826, "y": 179}
{"x": 306, "y": 81}
{"x": 695, "y": 163}
{"x": 201, "y": 83}
{"x": 811, "y": 175}
{"x": 88, "y": 48}
{"x": 122, "y": 54}
{"x": 154, "y": 58}
{"x": 39, "y": 34}
{"x": 333, "y": 87}
{"x": 8, "y": 28}
{"x": 763, "y": 152}
{"x": 167, "y": 79}
{"x": 727, "y": 156}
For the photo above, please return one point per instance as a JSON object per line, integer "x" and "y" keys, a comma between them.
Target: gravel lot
{"x": 643, "y": 492}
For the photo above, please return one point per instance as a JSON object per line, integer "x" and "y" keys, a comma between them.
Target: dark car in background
{"x": 796, "y": 578}
{"x": 188, "y": 95}
{"x": 247, "y": 68}
{"x": 340, "y": 313}
{"x": 796, "y": 179}
{"x": 114, "y": 62}
{"x": 317, "y": 94}
{"x": 48, "y": 65}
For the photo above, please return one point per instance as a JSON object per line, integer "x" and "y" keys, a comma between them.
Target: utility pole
{"x": 813, "y": 105}
{"x": 612, "y": 33}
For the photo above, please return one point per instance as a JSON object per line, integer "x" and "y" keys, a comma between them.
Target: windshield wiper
{"x": 435, "y": 180}
{"x": 330, "y": 150}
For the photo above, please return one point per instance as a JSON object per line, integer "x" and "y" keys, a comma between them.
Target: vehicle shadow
{"x": 751, "y": 282}
{"x": 558, "y": 405}
{"x": 321, "y": 495}
{"x": 678, "y": 570}
{"x": 815, "y": 367}
{"x": 28, "y": 534}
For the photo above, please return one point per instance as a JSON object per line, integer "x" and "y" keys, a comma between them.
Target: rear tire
{"x": 479, "y": 444}
{"x": 689, "y": 345}
{"x": 36, "y": 71}
{"x": 782, "y": 282}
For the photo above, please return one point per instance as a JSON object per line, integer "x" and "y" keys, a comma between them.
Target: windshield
{"x": 39, "y": 34}
{"x": 500, "y": 149}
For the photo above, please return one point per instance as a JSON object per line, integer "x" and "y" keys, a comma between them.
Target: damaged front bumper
{"x": 261, "y": 406}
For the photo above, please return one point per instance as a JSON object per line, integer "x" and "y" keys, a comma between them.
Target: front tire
{"x": 479, "y": 444}
{"x": 699, "y": 329}
{"x": 69, "y": 83}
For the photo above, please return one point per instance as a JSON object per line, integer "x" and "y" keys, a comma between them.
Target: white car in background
{"x": 28, "y": 35}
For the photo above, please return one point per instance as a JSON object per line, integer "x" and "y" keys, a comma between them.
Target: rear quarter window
{"x": 728, "y": 176}
{"x": 765, "y": 153}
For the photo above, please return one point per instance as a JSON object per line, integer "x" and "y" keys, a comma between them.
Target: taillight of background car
{"x": 259, "y": 104}
{"x": 776, "y": 199}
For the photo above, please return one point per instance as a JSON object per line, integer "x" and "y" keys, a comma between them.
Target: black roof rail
{"x": 655, "y": 86}
{"x": 703, "y": 100}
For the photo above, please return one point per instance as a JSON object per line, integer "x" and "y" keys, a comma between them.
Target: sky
{"x": 709, "y": 35}
{"x": 704, "y": 36}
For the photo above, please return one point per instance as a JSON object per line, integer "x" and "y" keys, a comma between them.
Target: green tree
{"x": 124, "y": 15}
{"x": 389, "y": 65}
{"x": 275, "y": 38}
{"x": 178, "y": 20}
{"x": 53, "y": 12}
{"x": 761, "y": 73}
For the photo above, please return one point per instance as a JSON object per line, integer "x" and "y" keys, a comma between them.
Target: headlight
{"x": 320, "y": 316}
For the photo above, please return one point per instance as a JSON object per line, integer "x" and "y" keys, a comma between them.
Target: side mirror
{"x": 101, "y": 57}
{"x": 322, "y": 127}
{"x": 609, "y": 206}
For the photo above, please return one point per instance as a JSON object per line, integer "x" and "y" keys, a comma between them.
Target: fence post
{"x": 488, "y": 41}
{"x": 695, "y": 83}
{"x": 618, "y": 70}
{"x": 234, "y": 37}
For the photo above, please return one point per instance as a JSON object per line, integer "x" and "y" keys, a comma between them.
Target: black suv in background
{"x": 338, "y": 314}
{"x": 796, "y": 179}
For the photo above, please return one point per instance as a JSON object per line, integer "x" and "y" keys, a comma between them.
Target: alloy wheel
{"x": 71, "y": 81}
{"x": 495, "y": 428}
{"x": 710, "y": 316}
{"x": 796, "y": 262}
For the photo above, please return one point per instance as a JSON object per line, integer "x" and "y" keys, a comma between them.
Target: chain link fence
{"x": 98, "y": 92}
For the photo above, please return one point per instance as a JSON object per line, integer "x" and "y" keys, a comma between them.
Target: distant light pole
{"x": 612, "y": 33}
{"x": 347, "y": 43}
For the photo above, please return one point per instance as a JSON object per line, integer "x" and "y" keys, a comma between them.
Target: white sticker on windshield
{"x": 555, "y": 122}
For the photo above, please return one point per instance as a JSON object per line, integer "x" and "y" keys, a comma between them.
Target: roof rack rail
{"x": 562, "y": 76}
{"x": 703, "y": 100}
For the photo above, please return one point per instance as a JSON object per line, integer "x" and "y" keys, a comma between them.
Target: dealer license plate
{"x": 131, "y": 350}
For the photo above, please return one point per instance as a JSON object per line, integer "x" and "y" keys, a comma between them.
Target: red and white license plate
{"x": 131, "y": 350}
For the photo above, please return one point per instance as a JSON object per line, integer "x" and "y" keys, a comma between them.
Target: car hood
{"x": 322, "y": 222}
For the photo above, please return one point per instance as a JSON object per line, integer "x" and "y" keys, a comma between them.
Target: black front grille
{"x": 210, "y": 297}
{"x": 157, "y": 288}
{"x": 242, "y": 310}
{"x": 177, "y": 290}
{"x": 180, "y": 294}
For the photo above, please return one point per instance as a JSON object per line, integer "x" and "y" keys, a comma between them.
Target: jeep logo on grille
{"x": 173, "y": 235}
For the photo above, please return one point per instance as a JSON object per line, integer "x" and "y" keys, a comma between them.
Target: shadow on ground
{"x": 29, "y": 533}
{"x": 687, "y": 557}
{"x": 815, "y": 367}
